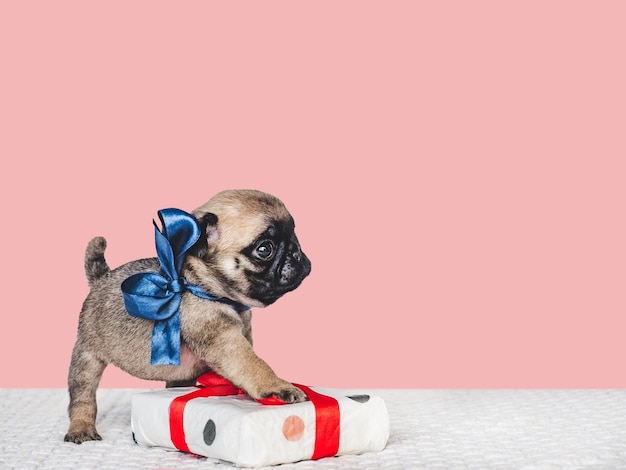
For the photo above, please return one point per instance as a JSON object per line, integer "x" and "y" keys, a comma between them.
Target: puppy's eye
{"x": 265, "y": 250}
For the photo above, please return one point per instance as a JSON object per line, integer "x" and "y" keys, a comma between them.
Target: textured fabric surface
{"x": 431, "y": 429}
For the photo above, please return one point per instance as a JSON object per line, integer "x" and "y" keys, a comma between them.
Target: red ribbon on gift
{"x": 327, "y": 417}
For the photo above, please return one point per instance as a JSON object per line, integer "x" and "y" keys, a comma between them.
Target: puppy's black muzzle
{"x": 294, "y": 268}
{"x": 290, "y": 268}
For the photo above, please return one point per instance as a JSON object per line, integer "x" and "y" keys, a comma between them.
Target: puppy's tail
{"x": 95, "y": 264}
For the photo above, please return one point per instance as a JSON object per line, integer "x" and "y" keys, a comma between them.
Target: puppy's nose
{"x": 295, "y": 251}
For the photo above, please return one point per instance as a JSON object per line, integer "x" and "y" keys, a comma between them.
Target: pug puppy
{"x": 248, "y": 253}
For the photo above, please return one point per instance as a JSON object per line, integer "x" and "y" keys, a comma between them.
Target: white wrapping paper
{"x": 239, "y": 430}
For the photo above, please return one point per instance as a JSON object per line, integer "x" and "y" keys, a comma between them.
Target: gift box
{"x": 220, "y": 422}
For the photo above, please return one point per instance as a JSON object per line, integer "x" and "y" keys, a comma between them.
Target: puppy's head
{"x": 250, "y": 252}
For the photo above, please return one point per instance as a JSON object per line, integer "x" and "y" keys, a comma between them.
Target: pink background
{"x": 456, "y": 171}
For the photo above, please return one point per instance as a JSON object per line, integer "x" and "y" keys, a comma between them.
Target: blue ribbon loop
{"x": 157, "y": 296}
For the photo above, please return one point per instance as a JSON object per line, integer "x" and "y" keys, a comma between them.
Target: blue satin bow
{"x": 157, "y": 296}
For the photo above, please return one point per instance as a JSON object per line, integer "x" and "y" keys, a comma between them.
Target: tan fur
{"x": 214, "y": 335}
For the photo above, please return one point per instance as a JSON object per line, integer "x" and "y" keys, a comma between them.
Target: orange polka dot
{"x": 293, "y": 428}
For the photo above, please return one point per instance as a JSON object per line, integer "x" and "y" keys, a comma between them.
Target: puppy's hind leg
{"x": 84, "y": 377}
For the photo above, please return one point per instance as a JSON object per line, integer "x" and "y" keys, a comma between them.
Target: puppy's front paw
{"x": 288, "y": 394}
{"x": 82, "y": 434}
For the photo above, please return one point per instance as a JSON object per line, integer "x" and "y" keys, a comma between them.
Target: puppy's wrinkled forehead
{"x": 244, "y": 214}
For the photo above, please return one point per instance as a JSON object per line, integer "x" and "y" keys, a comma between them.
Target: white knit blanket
{"x": 430, "y": 429}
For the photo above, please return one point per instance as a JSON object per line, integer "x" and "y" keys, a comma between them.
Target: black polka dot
{"x": 360, "y": 398}
{"x": 209, "y": 432}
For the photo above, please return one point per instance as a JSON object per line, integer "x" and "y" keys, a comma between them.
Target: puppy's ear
{"x": 208, "y": 227}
